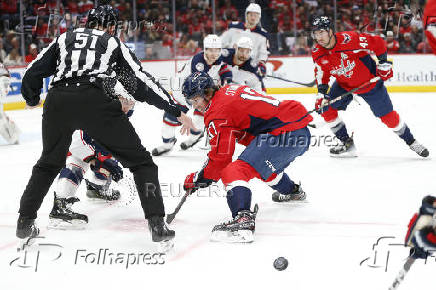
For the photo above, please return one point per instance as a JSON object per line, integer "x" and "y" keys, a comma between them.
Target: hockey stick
{"x": 311, "y": 84}
{"x": 171, "y": 216}
{"x": 400, "y": 277}
{"x": 346, "y": 94}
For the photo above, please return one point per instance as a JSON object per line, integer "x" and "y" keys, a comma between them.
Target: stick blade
{"x": 170, "y": 218}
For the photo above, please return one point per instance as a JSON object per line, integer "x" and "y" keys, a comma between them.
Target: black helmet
{"x": 321, "y": 23}
{"x": 103, "y": 15}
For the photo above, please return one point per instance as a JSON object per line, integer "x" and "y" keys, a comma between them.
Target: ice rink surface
{"x": 348, "y": 235}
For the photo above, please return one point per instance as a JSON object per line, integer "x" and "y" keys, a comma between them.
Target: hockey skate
{"x": 191, "y": 141}
{"x": 63, "y": 217}
{"x": 238, "y": 230}
{"x": 164, "y": 148}
{"x": 419, "y": 149}
{"x": 27, "y": 231}
{"x": 160, "y": 233}
{"x": 297, "y": 194}
{"x": 101, "y": 192}
{"x": 344, "y": 150}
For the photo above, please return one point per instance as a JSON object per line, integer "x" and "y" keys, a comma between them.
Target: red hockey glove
{"x": 195, "y": 181}
{"x": 384, "y": 70}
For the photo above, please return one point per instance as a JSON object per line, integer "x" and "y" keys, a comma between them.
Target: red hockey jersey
{"x": 349, "y": 61}
{"x": 429, "y": 20}
{"x": 237, "y": 113}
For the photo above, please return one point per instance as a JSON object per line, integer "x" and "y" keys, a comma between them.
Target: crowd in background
{"x": 154, "y": 37}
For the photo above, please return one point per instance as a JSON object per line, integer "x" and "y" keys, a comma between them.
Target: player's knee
{"x": 238, "y": 171}
{"x": 330, "y": 115}
{"x": 73, "y": 175}
{"x": 391, "y": 119}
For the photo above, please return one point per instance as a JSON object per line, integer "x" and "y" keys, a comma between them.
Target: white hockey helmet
{"x": 244, "y": 42}
{"x": 212, "y": 41}
{"x": 253, "y": 7}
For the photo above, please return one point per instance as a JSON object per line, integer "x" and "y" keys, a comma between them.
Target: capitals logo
{"x": 345, "y": 68}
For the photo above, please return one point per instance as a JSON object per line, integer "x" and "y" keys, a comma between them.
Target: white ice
{"x": 352, "y": 203}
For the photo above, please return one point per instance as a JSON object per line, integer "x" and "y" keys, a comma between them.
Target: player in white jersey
{"x": 8, "y": 129}
{"x": 211, "y": 62}
{"x": 244, "y": 70}
{"x": 252, "y": 29}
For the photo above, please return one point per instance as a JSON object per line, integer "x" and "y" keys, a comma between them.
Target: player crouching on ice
{"x": 346, "y": 57}
{"x": 274, "y": 133}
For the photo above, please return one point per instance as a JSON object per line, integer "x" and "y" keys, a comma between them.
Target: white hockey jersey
{"x": 245, "y": 74}
{"x": 218, "y": 71}
{"x": 258, "y": 35}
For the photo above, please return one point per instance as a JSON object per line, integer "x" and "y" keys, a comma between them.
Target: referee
{"x": 79, "y": 61}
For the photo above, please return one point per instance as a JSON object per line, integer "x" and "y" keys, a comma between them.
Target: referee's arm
{"x": 149, "y": 90}
{"x": 41, "y": 67}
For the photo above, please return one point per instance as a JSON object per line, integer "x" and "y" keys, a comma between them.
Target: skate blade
{"x": 352, "y": 154}
{"x": 242, "y": 236}
{"x": 165, "y": 246}
{"x": 59, "y": 224}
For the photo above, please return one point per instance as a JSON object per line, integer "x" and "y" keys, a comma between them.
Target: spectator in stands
{"x": 407, "y": 45}
{"x": 33, "y": 53}
{"x": 2, "y": 51}
{"x": 300, "y": 47}
{"x": 391, "y": 43}
{"x": 13, "y": 58}
{"x": 424, "y": 47}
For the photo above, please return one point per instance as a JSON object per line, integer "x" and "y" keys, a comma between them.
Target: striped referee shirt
{"x": 90, "y": 53}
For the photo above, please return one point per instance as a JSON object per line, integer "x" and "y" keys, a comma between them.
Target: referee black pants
{"x": 86, "y": 107}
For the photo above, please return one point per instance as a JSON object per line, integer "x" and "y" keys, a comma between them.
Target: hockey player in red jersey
{"x": 274, "y": 133}
{"x": 429, "y": 20}
{"x": 346, "y": 57}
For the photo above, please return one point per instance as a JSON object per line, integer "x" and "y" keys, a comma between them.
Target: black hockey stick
{"x": 311, "y": 84}
{"x": 400, "y": 277}
{"x": 338, "y": 98}
{"x": 171, "y": 216}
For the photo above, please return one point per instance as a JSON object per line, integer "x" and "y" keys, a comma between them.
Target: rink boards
{"x": 412, "y": 73}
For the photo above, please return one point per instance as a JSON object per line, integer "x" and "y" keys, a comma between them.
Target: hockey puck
{"x": 280, "y": 263}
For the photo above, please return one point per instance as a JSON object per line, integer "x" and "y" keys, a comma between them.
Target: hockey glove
{"x": 321, "y": 104}
{"x": 106, "y": 167}
{"x": 384, "y": 70}
{"x": 422, "y": 219}
{"x": 195, "y": 181}
{"x": 261, "y": 69}
{"x": 423, "y": 243}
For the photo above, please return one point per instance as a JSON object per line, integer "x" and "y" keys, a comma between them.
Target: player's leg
{"x": 195, "y": 136}
{"x": 270, "y": 155}
{"x": 62, "y": 216}
{"x": 56, "y": 138}
{"x": 241, "y": 228}
{"x": 113, "y": 131}
{"x": 168, "y": 131}
{"x": 337, "y": 125}
{"x": 381, "y": 106}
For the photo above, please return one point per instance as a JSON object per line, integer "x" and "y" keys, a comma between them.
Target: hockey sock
{"x": 282, "y": 184}
{"x": 405, "y": 134}
{"x": 69, "y": 180}
{"x": 168, "y": 132}
{"x": 339, "y": 129}
{"x": 239, "y": 198}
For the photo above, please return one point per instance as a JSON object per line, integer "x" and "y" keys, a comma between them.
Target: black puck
{"x": 280, "y": 263}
